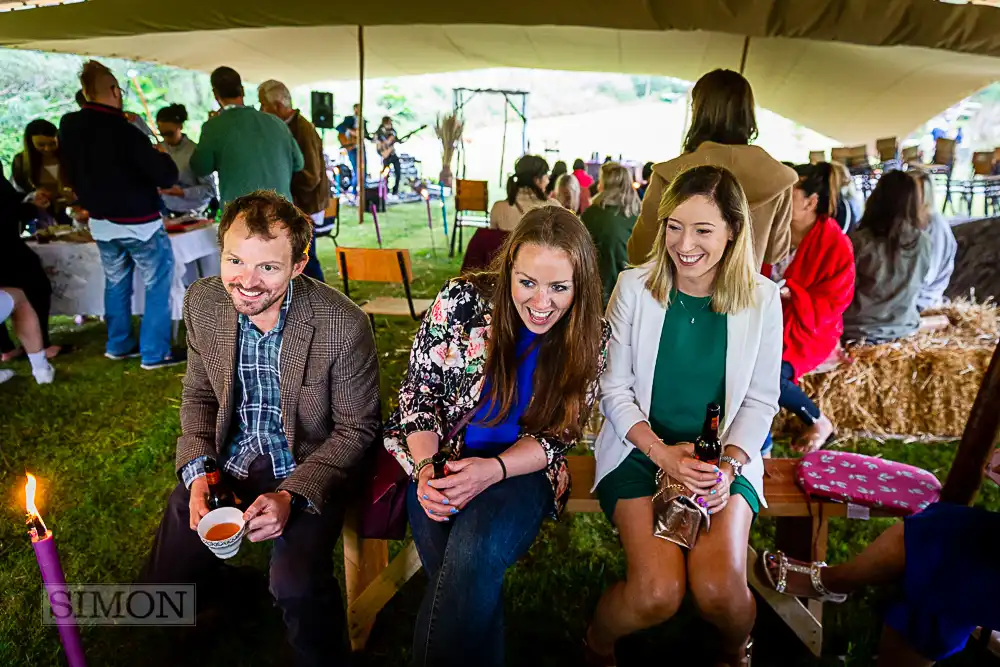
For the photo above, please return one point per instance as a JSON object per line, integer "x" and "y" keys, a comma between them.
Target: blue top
{"x": 481, "y": 439}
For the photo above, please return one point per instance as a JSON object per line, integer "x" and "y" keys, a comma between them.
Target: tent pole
{"x": 966, "y": 474}
{"x": 524, "y": 123}
{"x": 362, "y": 181}
{"x": 743, "y": 58}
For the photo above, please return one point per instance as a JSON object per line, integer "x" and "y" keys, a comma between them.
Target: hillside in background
{"x": 570, "y": 114}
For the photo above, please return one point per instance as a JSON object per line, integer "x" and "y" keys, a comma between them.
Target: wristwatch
{"x": 737, "y": 466}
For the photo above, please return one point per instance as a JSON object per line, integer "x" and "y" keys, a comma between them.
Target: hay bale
{"x": 924, "y": 385}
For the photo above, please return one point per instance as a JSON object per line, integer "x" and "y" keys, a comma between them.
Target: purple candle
{"x": 378, "y": 232}
{"x": 44, "y": 545}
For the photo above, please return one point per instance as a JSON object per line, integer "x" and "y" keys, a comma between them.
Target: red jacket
{"x": 820, "y": 281}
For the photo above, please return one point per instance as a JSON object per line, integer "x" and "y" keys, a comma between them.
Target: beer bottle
{"x": 708, "y": 447}
{"x": 219, "y": 494}
{"x": 439, "y": 461}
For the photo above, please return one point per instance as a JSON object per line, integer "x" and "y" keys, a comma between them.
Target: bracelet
{"x": 503, "y": 466}
{"x": 420, "y": 466}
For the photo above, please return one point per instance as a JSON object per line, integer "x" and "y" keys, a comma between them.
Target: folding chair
{"x": 944, "y": 162}
{"x": 984, "y": 179}
{"x": 382, "y": 265}
{"x": 815, "y": 157}
{"x": 910, "y": 155}
{"x": 472, "y": 201}
{"x": 888, "y": 153}
{"x": 331, "y": 221}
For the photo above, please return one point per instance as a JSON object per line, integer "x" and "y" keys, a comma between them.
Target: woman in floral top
{"x": 509, "y": 361}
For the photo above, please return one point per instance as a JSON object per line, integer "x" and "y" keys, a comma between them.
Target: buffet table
{"x": 77, "y": 278}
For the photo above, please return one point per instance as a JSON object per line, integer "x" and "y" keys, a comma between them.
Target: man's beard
{"x": 250, "y": 308}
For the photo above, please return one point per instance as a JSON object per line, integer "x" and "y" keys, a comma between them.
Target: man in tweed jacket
{"x": 281, "y": 392}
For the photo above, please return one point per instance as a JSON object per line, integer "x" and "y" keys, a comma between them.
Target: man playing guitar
{"x": 386, "y": 140}
{"x": 349, "y": 136}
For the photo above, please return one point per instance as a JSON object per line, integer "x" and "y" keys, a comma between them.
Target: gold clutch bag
{"x": 677, "y": 517}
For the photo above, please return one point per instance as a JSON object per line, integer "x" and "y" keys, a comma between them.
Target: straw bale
{"x": 922, "y": 386}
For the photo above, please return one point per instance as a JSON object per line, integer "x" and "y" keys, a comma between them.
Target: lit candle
{"x": 336, "y": 180}
{"x": 378, "y": 232}
{"x": 52, "y": 573}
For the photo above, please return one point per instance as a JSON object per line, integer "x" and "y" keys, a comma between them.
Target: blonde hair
{"x": 571, "y": 186}
{"x": 736, "y": 277}
{"x": 617, "y": 190}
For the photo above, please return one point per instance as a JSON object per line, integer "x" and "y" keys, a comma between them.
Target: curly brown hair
{"x": 264, "y": 208}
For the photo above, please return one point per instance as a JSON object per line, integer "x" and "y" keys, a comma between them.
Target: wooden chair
{"x": 331, "y": 221}
{"x": 815, "y": 157}
{"x": 888, "y": 152}
{"x": 382, "y": 265}
{"x": 944, "y": 162}
{"x": 910, "y": 155}
{"x": 802, "y": 529}
{"x": 472, "y": 200}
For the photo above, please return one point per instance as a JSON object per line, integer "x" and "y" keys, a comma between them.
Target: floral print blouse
{"x": 445, "y": 379}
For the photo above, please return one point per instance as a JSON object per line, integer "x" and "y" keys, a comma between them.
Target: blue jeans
{"x": 352, "y": 155}
{"x": 793, "y": 399}
{"x": 460, "y": 621}
{"x": 155, "y": 260}
{"x": 313, "y": 268}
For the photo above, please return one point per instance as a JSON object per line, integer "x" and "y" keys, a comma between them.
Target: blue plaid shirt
{"x": 258, "y": 383}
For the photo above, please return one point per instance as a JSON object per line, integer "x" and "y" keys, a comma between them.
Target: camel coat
{"x": 767, "y": 183}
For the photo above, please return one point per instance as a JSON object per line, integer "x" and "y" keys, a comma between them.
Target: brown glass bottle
{"x": 219, "y": 494}
{"x": 708, "y": 447}
{"x": 440, "y": 460}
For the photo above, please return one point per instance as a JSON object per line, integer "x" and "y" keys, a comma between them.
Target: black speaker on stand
{"x": 322, "y": 110}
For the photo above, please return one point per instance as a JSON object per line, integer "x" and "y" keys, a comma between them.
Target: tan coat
{"x": 506, "y": 217}
{"x": 767, "y": 183}
{"x": 311, "y": 186}
{"x": 329, "y": 383}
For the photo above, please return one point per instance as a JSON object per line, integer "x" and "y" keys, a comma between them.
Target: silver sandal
{"x": 823, "y": 594}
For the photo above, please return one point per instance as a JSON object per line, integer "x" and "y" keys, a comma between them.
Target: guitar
{"x": 348, "y": 140}
{"x": 385, "y": 147}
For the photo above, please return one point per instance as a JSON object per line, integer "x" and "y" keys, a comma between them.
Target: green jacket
{"x": 251, "y": 150}
{"x": 610, "y": 231}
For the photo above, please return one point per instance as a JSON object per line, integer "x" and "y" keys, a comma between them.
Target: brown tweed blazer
{"x": 329, "y": 382}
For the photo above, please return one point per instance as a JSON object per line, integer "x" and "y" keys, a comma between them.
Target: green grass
{"x": 101, "y": 441}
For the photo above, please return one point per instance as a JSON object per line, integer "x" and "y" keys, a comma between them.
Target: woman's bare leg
{"x": 717, "y": 575}
{"x": 25, "y": 320}
{"x": 882, "y": 562}
{"x": 654, "y": 582}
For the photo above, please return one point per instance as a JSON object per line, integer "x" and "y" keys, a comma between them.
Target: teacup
{"x": 228, "y": 546}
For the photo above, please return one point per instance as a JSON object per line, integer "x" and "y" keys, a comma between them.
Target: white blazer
{"x": 753, "y": 366}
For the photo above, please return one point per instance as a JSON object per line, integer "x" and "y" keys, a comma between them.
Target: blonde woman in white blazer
{"x": 695, "y": 325}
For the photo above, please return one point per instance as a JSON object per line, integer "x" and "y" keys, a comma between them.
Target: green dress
{"x": 690, "y": 373}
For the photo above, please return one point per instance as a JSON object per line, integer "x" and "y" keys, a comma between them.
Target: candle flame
{"x": 385, "y": 172}
{"x": 635, "y": 185}
{"x": 29, "y": 495}
{"x": 426, "y": 195}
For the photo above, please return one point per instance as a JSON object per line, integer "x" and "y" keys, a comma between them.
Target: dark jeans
{"x": 460, "y": 621}
{"x": 34, "y": 282}
{"x": 301, "y": 572}
{"x": 313, "y": 268}
{"x": 393, "y": 160}
{"x": 793, "y": 399}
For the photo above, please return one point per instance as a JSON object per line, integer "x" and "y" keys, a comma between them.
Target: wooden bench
{"x": 801, "y": 532}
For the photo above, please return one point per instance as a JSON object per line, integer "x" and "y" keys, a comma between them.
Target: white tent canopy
{"x": 855, "y": 70}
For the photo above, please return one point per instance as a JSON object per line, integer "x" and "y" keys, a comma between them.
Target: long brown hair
{"x": 569, "y": 351}
{"x": 722, "y": 110}
{"x": 32, "y": 157}
{"x": 894, "y": 212}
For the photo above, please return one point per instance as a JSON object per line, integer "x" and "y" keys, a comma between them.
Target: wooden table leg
{"x": 363, "y": 561}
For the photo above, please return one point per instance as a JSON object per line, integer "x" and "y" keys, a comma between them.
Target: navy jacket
{"x": 112, "y": 167}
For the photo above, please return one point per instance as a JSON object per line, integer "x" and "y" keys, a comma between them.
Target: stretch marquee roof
{"x": 855, "y": 70}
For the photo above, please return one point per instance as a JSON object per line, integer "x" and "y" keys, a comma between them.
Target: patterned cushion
{"x": 897, "y": 488}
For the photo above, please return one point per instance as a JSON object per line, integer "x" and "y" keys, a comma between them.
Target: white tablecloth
{"x": 77, "y": 277}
